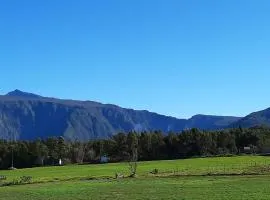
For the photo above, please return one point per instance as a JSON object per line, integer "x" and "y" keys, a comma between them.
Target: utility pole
{"x": 12, "y": 157}
{"x": 12, "y": 152}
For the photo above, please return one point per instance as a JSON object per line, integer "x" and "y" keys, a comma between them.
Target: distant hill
{"x": 260, "y": 118}
{"x": 29, "y": 116}
{"x": 210, "y": 122}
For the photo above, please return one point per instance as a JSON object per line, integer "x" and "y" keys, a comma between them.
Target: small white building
{"x": 104, "y": 159}
{"x": 247, "y": 149}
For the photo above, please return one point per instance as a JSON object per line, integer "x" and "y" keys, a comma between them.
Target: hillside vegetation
{"x": 144, "y": 146}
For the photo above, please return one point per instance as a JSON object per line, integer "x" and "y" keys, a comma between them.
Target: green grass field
{"x": 146, "y": 188}
{"x": 196, "y": 166}
{"x": 74, "y": 181}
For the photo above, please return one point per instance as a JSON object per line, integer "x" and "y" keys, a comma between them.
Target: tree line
{"x": 152, "y": 145}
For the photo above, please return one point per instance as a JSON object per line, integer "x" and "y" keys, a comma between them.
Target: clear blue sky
{"x": 174, "y": 57}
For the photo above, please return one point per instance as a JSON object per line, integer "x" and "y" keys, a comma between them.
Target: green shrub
{"x": 25, "y": 179}
{"x": 3, "y": 178}
{"x": 154, "y": 171}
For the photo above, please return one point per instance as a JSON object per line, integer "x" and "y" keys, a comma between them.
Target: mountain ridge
{"x": 29, "y": 116}
{"x": 259, "y": 118}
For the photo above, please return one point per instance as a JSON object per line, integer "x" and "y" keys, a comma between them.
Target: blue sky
{"x": 174, "y": 57}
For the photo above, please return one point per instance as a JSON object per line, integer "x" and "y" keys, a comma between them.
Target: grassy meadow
{"x": 242, "y": 187}
{"x": 243, "y": 177}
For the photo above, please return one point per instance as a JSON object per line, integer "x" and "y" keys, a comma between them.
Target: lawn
{"x": 195, "y": 166}
{"x": 239, "y": 177}
{"x": 188, "y": 188}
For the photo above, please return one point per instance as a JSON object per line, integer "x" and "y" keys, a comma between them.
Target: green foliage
{"x": 25, "y": 179}
{"x": 135, "y": 146}
{"x": 154, "y": 171}
{"x": 17, "y": 181}
{"x": 3, "y": 178}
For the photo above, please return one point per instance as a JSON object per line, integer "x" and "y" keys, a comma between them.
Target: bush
{"x": 25, "y": 179}
{"x": 10, "y": 183}
{"x": 21, "y": 181}
{"x": 133, "y": 169}
{"x": 118, "y": 175}
{"x": 3, "y": 178}
{"x": 154, "y": 171}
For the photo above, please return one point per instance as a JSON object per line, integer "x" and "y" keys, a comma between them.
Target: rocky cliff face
{"x": 28, "y": 116}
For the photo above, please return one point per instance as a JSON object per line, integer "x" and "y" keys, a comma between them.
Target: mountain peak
{"x": 19, "y": 93}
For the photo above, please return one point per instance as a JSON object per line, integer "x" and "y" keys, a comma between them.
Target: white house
{"x": 104, "y": 159}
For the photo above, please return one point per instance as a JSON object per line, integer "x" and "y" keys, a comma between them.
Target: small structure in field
{"x": 12, "y": 168}
{"x": 104, "y": 159}
{"x": 60, "y": 162}
{"x": 249, "y": 149}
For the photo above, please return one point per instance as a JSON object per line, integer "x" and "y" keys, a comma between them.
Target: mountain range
{"x": 27, "y": 116}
